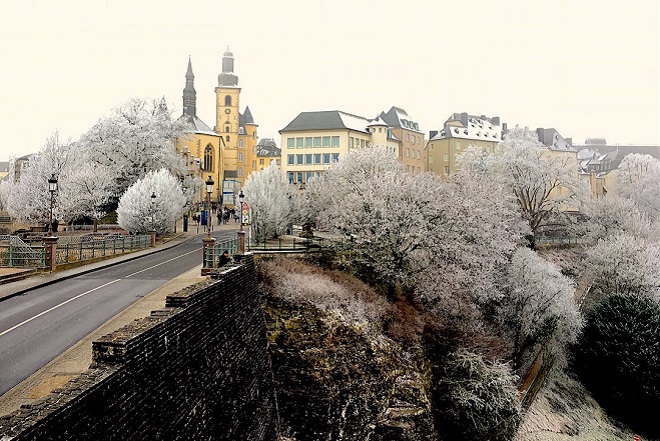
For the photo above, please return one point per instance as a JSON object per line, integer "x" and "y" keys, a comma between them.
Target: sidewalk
{"x": 39, "y": 279}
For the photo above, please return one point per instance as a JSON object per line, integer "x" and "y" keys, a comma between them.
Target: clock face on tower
{"x": 227, "y": 111}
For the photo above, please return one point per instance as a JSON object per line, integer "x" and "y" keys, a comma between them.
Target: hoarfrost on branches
{"x": 538, "y": 305}
{"x": 138, "y": 212}
{"x": 639, "y": 180}
{"x": 544, "y": 183}
{"x": 270, "y": 202}
{"x": 138, "y": 137}
{"x": 29, "y": 198}
{"x": 622, "y": 264}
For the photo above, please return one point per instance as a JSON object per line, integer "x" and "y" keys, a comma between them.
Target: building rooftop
{"x": 327, "y": 120}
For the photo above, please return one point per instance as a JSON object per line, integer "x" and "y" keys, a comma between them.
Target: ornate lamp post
{"x": 209, "y": 190}
{"x": 241, "y": 233}
{"x": 208, "y": 241}
{"x": 153, "y": 203}
{"x": 52, "y": 188}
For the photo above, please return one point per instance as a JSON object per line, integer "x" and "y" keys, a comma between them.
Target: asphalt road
{"x": 37, "y": 326}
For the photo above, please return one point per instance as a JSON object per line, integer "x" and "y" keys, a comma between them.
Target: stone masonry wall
{"x": 196, "y": 370}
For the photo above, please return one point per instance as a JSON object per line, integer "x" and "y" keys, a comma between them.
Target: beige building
{"x": 312, "y": 141}
{"x": 267, "y": 152}
{"x": 460, "y": 130}
{"x": 412, "y": 144}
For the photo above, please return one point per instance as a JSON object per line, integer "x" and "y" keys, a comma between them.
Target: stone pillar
{"x": 207, "y": 245}
{"x": 50, "y": 245}
{"x": 152, "y": 233}
{"x": 241, "y": 242}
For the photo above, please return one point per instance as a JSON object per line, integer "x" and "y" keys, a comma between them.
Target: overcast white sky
{"x": 589, "y": 68}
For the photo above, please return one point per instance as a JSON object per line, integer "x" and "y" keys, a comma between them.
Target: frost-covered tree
{"x": 138, "y": 212}
{"x": 624, "y": 263}
{"x": 538, "y": 306}
{"x": 4, "y": 194}
{"x": 29, "y": 198}
{"x": 398, "y": 224}
{"x": 639, "y": 181}
{"x": 138, "y": 137}
{"x": 270, "y": 202}
{"x": 476, "y": 400}
{"x": 613, "y": 215}
{"x": 545, "y": 184}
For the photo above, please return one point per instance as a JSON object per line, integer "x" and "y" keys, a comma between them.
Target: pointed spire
{"x": 189, "y": 93}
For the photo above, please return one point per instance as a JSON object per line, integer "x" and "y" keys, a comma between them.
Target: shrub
{"x": 475, "y": 400}
{"x": 617, "y": 357}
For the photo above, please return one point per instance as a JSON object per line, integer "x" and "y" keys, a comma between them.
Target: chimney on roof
{"x": 504, "y": 128}
{"x": 432, "y": 134}
{"x": 495, "y": 120}
{"x": 464, "y": 119}
{"x": 539, "y": 133}
{"x": 483, "y": 117}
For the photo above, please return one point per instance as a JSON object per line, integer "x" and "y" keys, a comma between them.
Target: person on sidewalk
{"x": 224, "y": 259}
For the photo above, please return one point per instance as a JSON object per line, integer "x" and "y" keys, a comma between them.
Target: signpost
{"x": 245, "y": 213}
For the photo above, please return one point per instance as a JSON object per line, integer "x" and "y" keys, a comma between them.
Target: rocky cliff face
{"x": 337, "y": 376}
{"x": 334, "y": 381}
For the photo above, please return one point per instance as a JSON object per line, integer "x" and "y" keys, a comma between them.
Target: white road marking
{"x": 55, "y": 307}
{"x": 159, "y": 264}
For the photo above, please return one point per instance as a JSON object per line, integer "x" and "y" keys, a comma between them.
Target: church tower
{"x": 227, "y": 95}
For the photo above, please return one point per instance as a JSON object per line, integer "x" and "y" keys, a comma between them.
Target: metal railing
{"x": 76, "y": 249}
{"x": 212, "y": 255}
{"x": 288, "y": 243}
{"x": 16, "y": 253}
{"x": 552, "y": 240}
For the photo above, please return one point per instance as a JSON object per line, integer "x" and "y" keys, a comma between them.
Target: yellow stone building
{"x": 312, "y": 141}
{"x": 228, "y": 151}
{"x": 460, "y": 130}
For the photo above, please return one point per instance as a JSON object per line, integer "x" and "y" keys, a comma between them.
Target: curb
{"x": 102, "y": 266}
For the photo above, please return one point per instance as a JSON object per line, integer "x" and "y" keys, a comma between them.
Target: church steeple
{"x": 227, "y": 77}
{"x": 189, "y": 93}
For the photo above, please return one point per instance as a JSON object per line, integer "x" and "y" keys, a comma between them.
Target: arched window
{"x": 227, "y": 128}
{"x": 227, "y": 138}
{"x": 227, "y": 100}
{"x": 208, "y": 158}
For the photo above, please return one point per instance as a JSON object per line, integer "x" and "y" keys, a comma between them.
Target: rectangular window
{"x": 446, "y": 169}
{"x": 308, "y": 159}
{"x": 317, "y": 141}
{"x": 407, "y": 152}
{"x": 290, "y": 143}
{"x": 240, "y": 157}
{"x": 289, "y": 177}
{"x": 317, "y": 158}
{"x": 299, "y": 159}
{"x": 335, "y": 157}
{"x": 446, "y": 157}
{"x": 326, "y": 158}
{"x": 289, "y": 159}
{"x": 308, "y": 142}
{"x": 350, "y": 142}
{"x": 458, "y": 145}
{"x": 240, "y": 143}
{"x": 419, "y": 156}
{"x": 335, "y": 141}
{"x": 254, "y": 163}
{"x": 430, "y": 159}
{"x": 326, "y": 141}
{"x": 299, "y": 176}
{"x": 261, "y": 162}
{"x": 308, "y": 176}
{"x": 299, "y": 143}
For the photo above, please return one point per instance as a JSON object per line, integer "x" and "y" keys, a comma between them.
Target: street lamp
{"x": 153, "y": 203}
{"x": 240, "y": 208}
{"x": 209, "y": 190}
{"x": 52, "y": 188}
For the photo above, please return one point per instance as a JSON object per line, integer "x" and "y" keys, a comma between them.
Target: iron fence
{"x": 76, "y": 249}
{"x": 287, "y": 243}
{"x": 16, "y": 253}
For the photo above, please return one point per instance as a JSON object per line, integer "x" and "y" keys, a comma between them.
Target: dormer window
{"x": 241, "y": 131}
